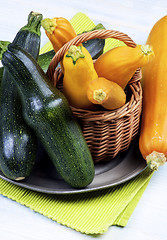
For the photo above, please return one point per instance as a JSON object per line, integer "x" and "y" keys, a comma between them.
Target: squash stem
{"x": 146, "y": 49}
{"x": 75, "y": 52}
{"x": 155, "y": 159}
{"x": 49, "y": 24}
{"x": 99, "y": 95}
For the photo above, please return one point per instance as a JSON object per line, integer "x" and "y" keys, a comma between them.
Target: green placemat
{"x": 92, "y": 212}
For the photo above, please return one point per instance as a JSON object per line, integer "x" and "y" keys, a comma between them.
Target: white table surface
{"x": 136, "y": 18}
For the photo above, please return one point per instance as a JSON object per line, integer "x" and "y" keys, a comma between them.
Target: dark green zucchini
{"x": 29, "y": 36}
{"x": 95, "y": 46}
{"x": 45, "y": 59}
{"x": 48, "y": 113}
{"x": 18, "y": 142}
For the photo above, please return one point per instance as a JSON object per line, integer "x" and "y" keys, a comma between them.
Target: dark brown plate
{"x": 122, "y": 168}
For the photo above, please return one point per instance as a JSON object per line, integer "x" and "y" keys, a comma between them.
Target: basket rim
{"x": 109, "y": 115}
{"x": 101, "y": 34}
{"x": 106, "y": 115}
{"x": 134, "y": 83}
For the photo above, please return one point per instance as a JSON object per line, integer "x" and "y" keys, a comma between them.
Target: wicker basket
{"x": 107, "y": 132}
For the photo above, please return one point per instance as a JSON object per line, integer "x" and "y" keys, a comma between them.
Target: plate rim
{"x": 122, "y": 180}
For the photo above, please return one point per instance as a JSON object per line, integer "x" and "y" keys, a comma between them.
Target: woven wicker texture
{"x": 107, "y": 132}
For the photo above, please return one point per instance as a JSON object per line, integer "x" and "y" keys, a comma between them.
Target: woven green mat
{"x": 92, "y": 212}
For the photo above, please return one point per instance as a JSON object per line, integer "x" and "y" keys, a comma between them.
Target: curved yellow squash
{"x": 119, "y": 64}
{"x": 78, "y": 72}
{"x": 59, "y": 31}
{"x": 106, "y": 93}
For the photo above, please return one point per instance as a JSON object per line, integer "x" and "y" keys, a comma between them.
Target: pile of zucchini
{"x": 31, "y": 109}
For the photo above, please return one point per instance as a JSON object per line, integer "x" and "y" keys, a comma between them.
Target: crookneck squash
{"x": 59, "y": 31}
{"x": 47, "y": 112}
{"x": 119, "y": 64}
{"x": 153, "y": 135}
{"x": 106, "y": 93}
{"x": 78, "y": 72}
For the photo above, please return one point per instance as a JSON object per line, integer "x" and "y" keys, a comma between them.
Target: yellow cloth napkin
{"x": 91, "y": 212}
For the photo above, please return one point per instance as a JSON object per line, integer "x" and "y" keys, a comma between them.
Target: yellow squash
{"x": 106, "y": 93}
{"x": 153, "y": 135}
{"x": 119, "y": 64}
{"x": 59, "y": 31}
{"x": 78, "y": 72}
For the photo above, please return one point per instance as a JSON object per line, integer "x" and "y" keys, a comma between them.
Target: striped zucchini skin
{"x": 18, "y": 142}
{"x": 48, "y": 113}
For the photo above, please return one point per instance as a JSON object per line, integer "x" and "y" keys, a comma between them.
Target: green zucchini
{"x": 95, "y": 46}
{"x": 29, "y": 36}
{"x": 18, "y": 146}
{"x": 18, "y": 142}
{"x": 48, "y": 113}
{"x": 45, "y": 59}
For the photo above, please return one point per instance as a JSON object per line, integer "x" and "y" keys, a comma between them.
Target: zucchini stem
{"x": 99, "y": 95}
{"x": 155, "y": 159}
{"x": 34, "y": 23}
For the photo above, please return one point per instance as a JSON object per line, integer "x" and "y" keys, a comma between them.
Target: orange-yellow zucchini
{"x": 153, "y": 135}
